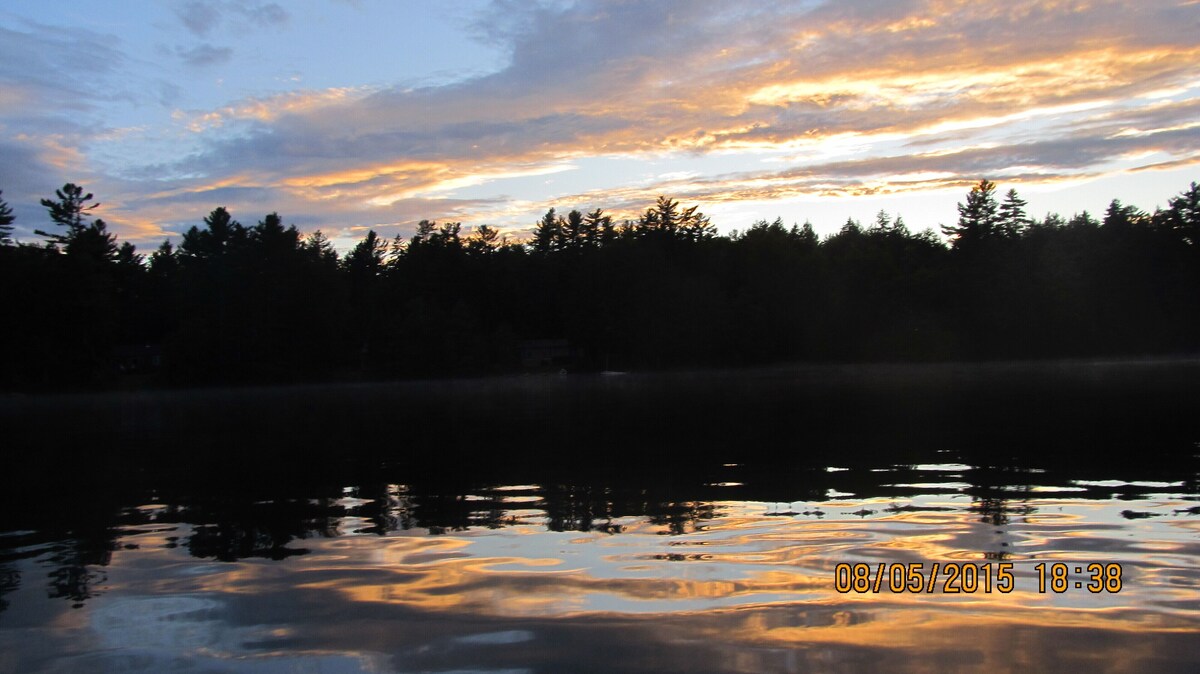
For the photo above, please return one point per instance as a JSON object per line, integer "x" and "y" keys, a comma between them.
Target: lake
{"x": 775, "y": 520}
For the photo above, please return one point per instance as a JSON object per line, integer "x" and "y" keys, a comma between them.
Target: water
{"x": 668, "y": 523}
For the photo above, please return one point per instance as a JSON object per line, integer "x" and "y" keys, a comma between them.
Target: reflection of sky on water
{"x": 746, "y": 586}
{"x": 746, "y": 556}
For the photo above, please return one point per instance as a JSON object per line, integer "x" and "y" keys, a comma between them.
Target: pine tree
{"x": 977, "y": 219}
{"x": 548, "y": 233}
{"x": 662, "y": 217}
{"x": 320, "y": 249}
{"x": 1121, "y": 217}
{"x": 1082, "y": 220}
{"x": 806, "y": 235}
{"x": 163, "y": 261}
{"x": 93, "y": 242}
{"x": 573, "y": 230}
{"x": 6, "y": 220}
{"x": 483, "y": 240}
{"x": 128, "y": 256}
{"x": 665, "y": 219}
{"x": 1012, "y": 218}
{"x": 82, "y": 238}
{"x": 221, "y": 233}
{"x": 600, "y": 229}
{"x": 367, "y": 256}
{"x": 1184, "y": 215}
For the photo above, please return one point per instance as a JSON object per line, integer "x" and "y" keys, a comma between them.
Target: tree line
{"x": 236, "y": 303}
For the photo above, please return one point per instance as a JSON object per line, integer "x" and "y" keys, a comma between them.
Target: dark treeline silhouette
{"x": 235, "y": 303}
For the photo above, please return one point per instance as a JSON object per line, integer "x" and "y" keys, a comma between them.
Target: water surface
{"x": 641, "y": 523}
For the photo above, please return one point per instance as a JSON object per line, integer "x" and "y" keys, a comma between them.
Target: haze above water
{"x": 674, "y": 522}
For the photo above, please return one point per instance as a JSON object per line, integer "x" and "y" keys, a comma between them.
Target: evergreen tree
{"x": 163, "y": 261}
{"x": 1082, "y": 220}
{"x": 666, "y": 220}
{"x": 483, "y": 240}
{"x": 128, "y": 256}
{"x": 396, "y": 251}
{"x": 320, "y": 249}
{"x": 548, "y": 233}
{"x": 425, "y": 231}
{"x": 270, "y": 237}
{"x": 851, "y": 228}
{"x": 221, "y": 234}
{"x": 662, "y": 217}
{"x": 82, "y": 239}
{"x": 1012, "y": 219}
{"x": 806, "y": 235}
{"x": 69, "y": 211}
{"x": 573, "y": 230}
{"x": 93, "y": 242}
{"x": 6, "y": 222}
{"x": 977, "y": 218}
{"x": 447, "y": 236}
{"x": 1119, "y": 217}
{"x": 1052, "y": 221}
{"x": 696, "y": 226}
{"x": 598, "y": 229}
{"x": 1184, "y": 215}
{"x": 367, "y": 257}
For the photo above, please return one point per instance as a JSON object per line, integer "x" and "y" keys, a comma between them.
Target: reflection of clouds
{"x": 745, "y": 557}
{"x": 161, "y": 623}
{"x": 750, "y": 592}
{"x": 195, "y": 633}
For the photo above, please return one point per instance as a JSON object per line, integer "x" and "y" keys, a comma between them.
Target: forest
{"x": 235, "y": 304}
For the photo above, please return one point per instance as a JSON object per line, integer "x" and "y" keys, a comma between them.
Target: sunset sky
{"x": 346, "y": 115}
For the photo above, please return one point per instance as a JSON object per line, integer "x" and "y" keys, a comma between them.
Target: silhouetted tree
{"x": 248, "y": 304}
{"x": 6, "y": 222}
{"x": 667, "y": 221}
{"x": 163, "y": 261}
{"x": 548, "y": 233}
{"x": 366, "y": 259}
{"x": 1011, "y": 217}
{"x": 1083, "y": 220}
{"x": 1119, "y": 217}
{"x": 83, "y": 239}
{"x": 850, "y": 229}
{"x": 70, "y": 211}
{"x": 320, "y": 249}
{"x": 364, "y": 266}
{"x": 484, "y": 240}
{"x": 221, "y": 234}
{"x": 1184, "y": 215}
{"x": 573, "y": 231}
{"x": 598, "y": 229}
{"x": 978, "y": 219}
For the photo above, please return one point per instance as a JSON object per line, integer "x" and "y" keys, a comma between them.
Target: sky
{"x": 349, "y": 115}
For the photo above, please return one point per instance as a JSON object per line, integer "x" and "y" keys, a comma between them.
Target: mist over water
{"x": 673, "y": 522}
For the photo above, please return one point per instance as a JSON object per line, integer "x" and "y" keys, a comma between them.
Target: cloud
{"x": 202, "y": 18}
{"x": 269, "y": 14}
{"x": 199, "y": 17}
{"x": 840, "y": 98}
{"x": 45, "y": 68}
{"x": 26, "y": 175}
{"x": 204, "y": 55}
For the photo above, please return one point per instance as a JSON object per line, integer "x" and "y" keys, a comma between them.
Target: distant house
{"x": 138, "y": 358}
{"x": 546, "y": 353}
